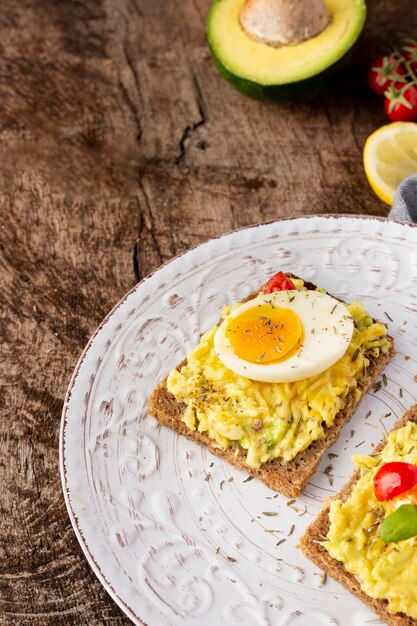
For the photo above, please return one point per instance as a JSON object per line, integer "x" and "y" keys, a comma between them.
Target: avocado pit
{"x": 280, "y": 23}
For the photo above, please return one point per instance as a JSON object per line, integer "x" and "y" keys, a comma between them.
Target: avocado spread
{"x": 272, "y": 420}
{"x": 385, "y": 571}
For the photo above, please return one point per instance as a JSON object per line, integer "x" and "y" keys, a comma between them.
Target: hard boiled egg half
{"x": 284, "y": 336}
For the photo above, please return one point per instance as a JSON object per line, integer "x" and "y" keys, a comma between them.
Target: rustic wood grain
{"x": 121, "y": 147}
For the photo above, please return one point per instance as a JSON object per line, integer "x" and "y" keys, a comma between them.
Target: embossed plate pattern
{"x": 175, "y": 535}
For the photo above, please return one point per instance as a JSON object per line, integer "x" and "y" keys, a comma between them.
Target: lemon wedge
{"x": 389, "y": 156}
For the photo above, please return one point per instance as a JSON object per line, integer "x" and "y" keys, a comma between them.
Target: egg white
{"x": 328, "y": 328}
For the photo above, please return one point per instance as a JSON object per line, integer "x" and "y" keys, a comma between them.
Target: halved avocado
{"x": 290, "y": 72}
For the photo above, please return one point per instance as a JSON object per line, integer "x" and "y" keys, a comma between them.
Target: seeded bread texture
{"x": 287, "y": 477}
{"x": 317, "y": 531}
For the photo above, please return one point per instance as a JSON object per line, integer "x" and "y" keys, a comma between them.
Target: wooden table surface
{"x": 120, "y": 147}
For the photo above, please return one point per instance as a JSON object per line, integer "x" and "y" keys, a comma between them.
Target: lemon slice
{"x": 389, "y": 156}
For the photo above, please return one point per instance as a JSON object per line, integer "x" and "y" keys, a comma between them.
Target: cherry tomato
{"x": 394, "y": 478}
{"x": 278, "y": 282}
{"x": 410, "y": 54}
{"x": 401, "y": 102}
{"x": 383, "y": 72}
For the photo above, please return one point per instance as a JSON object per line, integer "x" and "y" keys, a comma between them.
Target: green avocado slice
{"x": 287, "y": 72}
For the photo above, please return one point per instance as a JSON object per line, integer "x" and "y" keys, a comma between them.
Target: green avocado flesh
{"x": 290, "y": 72}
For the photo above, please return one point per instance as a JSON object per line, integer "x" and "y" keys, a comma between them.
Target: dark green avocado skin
{"x": 301, "y": 91}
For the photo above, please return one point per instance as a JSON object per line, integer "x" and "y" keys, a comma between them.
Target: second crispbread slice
{"x": 287, "y": 477}
{"x": 310, "y": 545}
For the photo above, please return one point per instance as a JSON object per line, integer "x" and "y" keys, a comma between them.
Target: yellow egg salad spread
{"x": 272, "y": 420}
{"x": 385, "y": 570}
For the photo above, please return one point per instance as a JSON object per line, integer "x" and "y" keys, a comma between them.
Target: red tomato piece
{"x": 394, "y": 478}
{"x": 278, "y": 282}
{"x": 401, "y": 102}
{"x": 383, "y": 72}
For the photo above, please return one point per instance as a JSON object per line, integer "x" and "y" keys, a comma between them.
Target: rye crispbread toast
{"x": 310, "y": 546}
{"x": 289, "y": 477}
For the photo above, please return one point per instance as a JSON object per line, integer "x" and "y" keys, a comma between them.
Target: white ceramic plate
{"x": 175, "y": 535}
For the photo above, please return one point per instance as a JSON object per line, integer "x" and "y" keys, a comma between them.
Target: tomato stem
{"x": 402, "y": 59}
{"x": 410, "y": 71}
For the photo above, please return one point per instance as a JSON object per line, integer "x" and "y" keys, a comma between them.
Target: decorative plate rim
{"x": 122, "y": 604}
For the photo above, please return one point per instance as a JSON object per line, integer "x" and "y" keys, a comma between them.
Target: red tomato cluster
{"x": 395, "y": 77}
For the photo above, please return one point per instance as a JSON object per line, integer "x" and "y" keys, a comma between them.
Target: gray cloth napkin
{"x": 405, "y": 201}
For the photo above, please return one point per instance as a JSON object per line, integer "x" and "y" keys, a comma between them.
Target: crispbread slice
{"x": 288, "y": 477}
{"x": 310, "y": 545}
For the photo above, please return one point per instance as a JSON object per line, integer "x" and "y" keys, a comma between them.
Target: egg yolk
{"x": 265, "y": 334}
